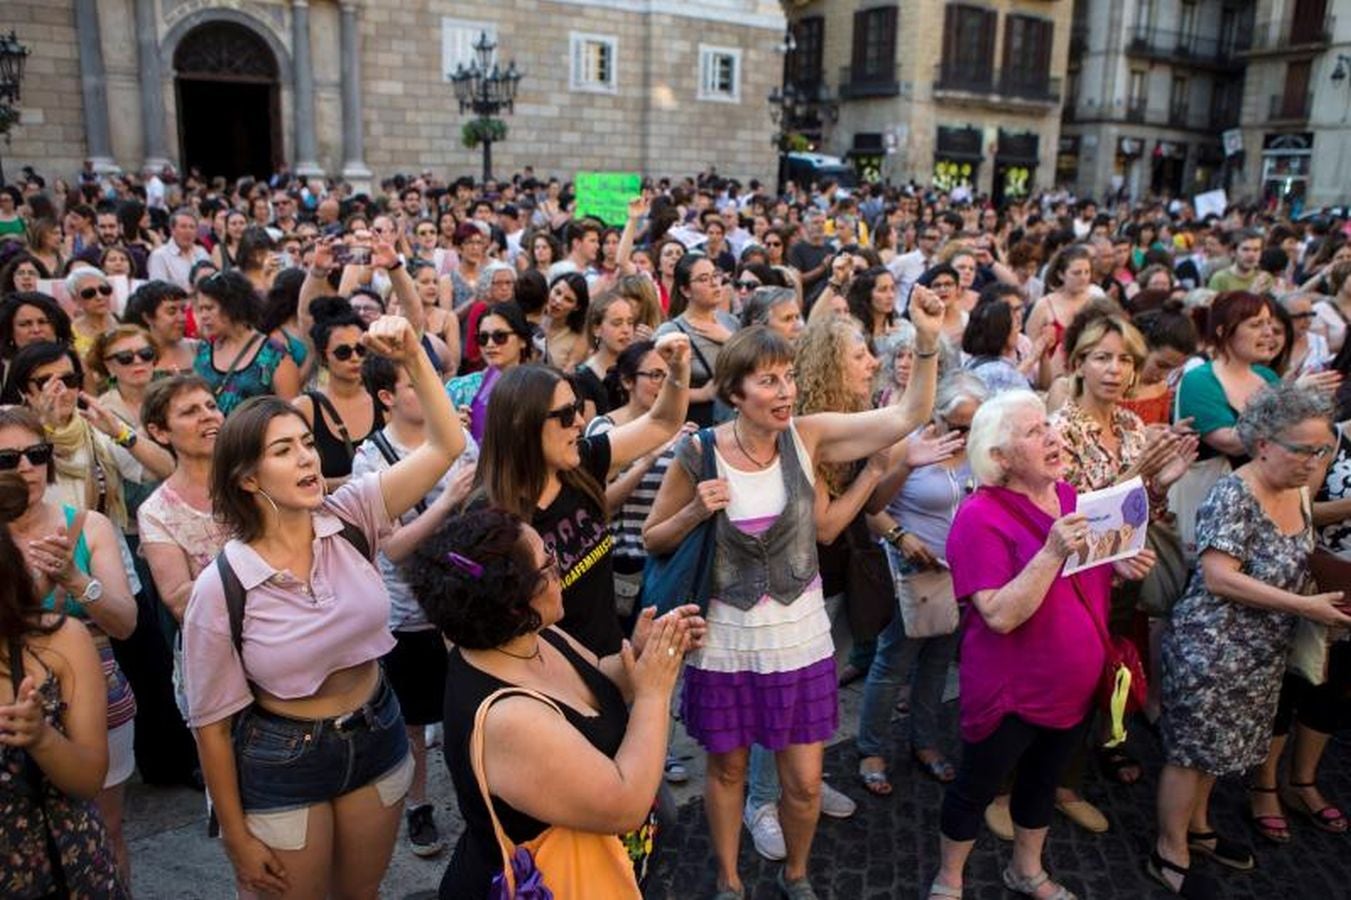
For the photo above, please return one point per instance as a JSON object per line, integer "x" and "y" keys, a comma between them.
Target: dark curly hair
{"x": 9, "y": 311}
{"x": 484, "y": 610}
{"x": 145, "y": 301}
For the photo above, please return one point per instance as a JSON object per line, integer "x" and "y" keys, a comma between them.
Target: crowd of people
{"x": 298, "y": 483}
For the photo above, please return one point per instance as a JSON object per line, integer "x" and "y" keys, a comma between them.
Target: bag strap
{"x": 477, "y": 743}
{"x": 234, "y": 363}
{"x": 1027, "y": 523}
{"x": 694, "y": 346}
{"x": 392, "y": 456}
{"x": 321, "y": 401}
{"x": 236, "y": 594}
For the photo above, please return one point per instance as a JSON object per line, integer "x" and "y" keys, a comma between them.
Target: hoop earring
{"x": 273, "y": 503}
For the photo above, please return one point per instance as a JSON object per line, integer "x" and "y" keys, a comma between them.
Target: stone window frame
{"x": 709, "y": 55}
{"x": 578, "y": 44}
{"x": 470, "y": 30}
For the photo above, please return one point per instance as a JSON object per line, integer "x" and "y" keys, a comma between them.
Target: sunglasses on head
{"x": 89, "y": 292}
{"x": 567, "y": 415}
{"x": 127, "y": 357}
{"x": 343, "y": 352}
{"x": 38, "y": 455}
{"x": 69, "y": 379}
{"x": 499, "y": 338}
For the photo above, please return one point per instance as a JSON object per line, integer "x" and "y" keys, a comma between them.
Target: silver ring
{"x": 670, "y": 651}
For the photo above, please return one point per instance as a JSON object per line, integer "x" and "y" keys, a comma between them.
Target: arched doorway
{"x": 229, "y": 106}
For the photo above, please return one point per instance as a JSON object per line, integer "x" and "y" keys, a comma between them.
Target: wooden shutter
{"x": 951, "y": 23}
{"x": 860, "y": 46}
{"x": 886, "y": 41}
{"x": 989, "y": 21}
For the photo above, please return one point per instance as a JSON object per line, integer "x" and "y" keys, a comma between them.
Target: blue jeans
{"x": 925, "y": 661}
{"x": 287, "y": 763}
{"x": 762, "y": 780}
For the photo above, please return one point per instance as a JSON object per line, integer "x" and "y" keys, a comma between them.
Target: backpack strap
{"x": 235, "y": 594}
{"x": 392, "y": 456}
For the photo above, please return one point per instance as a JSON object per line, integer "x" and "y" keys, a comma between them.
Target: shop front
{"x": 1286, "y": 161}
{"x": 1067, "y": 160}
{"x": 1015, "y": 165}
{"x": 1169, "y": 163}
{"x": 957, "y": 158}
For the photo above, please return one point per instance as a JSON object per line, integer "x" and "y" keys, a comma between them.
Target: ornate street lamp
{"x": 13, "y": 55}
{"x": 486, "y": 89}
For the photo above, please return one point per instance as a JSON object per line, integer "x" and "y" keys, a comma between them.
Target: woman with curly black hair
{"x": 238, "y": 360}
{"x": 580, "y": 742}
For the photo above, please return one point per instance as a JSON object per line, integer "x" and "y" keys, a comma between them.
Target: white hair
{"x": 80, "y": 274}
{"x": 991, "y": 428}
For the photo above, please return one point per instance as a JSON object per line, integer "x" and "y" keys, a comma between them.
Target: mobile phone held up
{"x": 351, "y": 255}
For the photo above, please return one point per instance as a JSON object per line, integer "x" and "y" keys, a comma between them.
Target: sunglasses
{"x": 499, "y": 338}
{"x": 38, "y": 455}
{"x": 567, "y": 415}
{"x": 69, "y": 379}
{"x": 127, "y": 357}
{"x": 90, "y": 292}
{"x": 747, "y": 285}
{"x": 773, "y": 243}
{"x": 343, "y": 352}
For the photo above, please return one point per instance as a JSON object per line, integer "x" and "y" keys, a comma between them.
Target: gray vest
{"x": 781, "y": 562}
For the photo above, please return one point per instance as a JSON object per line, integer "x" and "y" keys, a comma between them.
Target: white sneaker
{"x": 766, "y": 833}
{"x": 431, "y": 734}
{"x": 835, "y": 804}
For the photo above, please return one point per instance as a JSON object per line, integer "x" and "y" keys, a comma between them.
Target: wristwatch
{"x": 894, "y": 535}
{"x": 93, "y": 593}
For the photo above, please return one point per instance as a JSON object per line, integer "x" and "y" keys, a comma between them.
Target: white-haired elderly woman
{"x": 1031, "y": 651}
{"x": 92, "y": 293}
{"x": 776, "y": 308}
{"x": 496, "y": 284}
{"x": 1224, "y": 650}
{"x": 919, "y": 500}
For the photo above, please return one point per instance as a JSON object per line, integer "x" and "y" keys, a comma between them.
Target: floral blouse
{"x": 1091, "y": 466}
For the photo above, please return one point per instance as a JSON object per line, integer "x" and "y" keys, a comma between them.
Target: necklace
{"x": 525, "y": 656}
{"x": 746, "y": 453}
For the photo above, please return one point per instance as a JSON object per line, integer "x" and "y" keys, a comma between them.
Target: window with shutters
{"x": 874, "y": 49}
{"x": 1027, "y": 56}
{"x": 458, "y": 37}
{"x": 593, "y": 63}
{"x": 805, "y": 62}
{"x": 719, "y": 74}
{"x": 968, "y": 47}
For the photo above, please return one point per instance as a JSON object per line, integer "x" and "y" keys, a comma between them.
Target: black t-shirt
{"x": 476, "y": 858}
{"x": 590, "y": 387}
{"x": 805, "y": 256}
{"x": 579, "y": 535}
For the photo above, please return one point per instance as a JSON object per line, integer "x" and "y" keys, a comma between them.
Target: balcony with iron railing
{"x": 996, "y": 86}
{"x": 1291, "y": 34}
{"x": 1137, "y": 111}
{"x": 1183, "y": 48}
{"x": 1290, "y": 108}
{"x": 858, "y": 82}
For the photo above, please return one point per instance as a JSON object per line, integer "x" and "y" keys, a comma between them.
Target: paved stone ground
{"x": 888, "y": 850}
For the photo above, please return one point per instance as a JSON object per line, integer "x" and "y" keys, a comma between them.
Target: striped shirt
{"x": 627, "y": 523}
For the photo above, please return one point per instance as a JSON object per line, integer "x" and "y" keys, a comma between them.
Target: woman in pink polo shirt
{"x": 302, "y": 742}
{"x": 1031, "y": 652}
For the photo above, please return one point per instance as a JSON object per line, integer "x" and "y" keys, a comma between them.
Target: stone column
{"x": 306, "y": 163}
{"x": 94, "y": 87}
{"x": 354, "y": 167}
{"x": 151, "y": 88}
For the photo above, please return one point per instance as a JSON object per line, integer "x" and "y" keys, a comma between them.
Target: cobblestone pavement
{"x": 889, "y": 849}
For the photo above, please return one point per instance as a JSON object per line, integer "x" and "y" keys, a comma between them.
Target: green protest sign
{"x": 606, "y": 195}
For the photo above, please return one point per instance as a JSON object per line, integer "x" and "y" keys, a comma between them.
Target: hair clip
{"x": 465, "y": 564}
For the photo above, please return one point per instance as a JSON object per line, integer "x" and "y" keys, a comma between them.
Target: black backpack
{"x": 235, "y": 595}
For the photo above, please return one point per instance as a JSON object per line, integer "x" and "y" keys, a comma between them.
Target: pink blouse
{"x": 1045, "y": 670}
{"x": 294, "y": 636}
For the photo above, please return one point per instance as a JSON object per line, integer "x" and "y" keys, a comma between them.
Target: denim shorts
{"x": 287, "y": 763}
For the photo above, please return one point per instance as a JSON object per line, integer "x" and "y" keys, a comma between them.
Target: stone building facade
{"x": 1152, "y": 86}
{"x": 935, "y": 91}
{"x": 351, "y": 87}
{"x": 1297, "y": 104}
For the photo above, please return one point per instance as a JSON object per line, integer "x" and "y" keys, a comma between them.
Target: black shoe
{"x": 422, "y": 833}
{"x": 1225, "y": 852}
{"x": 1194, "y": 885}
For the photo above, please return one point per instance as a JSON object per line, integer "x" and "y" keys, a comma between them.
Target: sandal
{"x": 1225, "y": 852}
{"x": 1275, "y": 828}
{"x": 1329, "y": 818}
{"x": 946, "y": 891}
{"x": 938, "y": 768}
{"x": 875, "y": 783}
{"x": 1115, "y": 763}
{"x": 1028, "y": 887}
{"x": 1194, "y": 885}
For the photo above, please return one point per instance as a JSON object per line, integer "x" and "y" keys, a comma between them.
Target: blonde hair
{"x": 821, "y": 351}
{"x": 641, "y": 292}
{"x": 1093, "y": 334}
